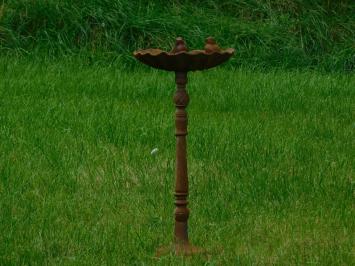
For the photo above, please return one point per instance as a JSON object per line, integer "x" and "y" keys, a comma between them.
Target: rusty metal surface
{"x": 181, "y": 100}
{"x": 180, "y": 60}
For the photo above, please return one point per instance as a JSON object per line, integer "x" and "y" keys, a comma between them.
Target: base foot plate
{"x": 179, "y": 250}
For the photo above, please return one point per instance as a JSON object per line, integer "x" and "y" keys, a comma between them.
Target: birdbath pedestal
{"x": 181, "y": 61}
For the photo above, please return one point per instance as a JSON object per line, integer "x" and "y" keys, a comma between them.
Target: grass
{"x": 265, "y": 34}
{"x": 271, "y": 165}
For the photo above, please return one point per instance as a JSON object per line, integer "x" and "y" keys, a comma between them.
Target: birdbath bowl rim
{"x": 183, "y": 61}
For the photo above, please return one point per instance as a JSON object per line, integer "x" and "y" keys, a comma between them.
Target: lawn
{"x": 270, "y": 157}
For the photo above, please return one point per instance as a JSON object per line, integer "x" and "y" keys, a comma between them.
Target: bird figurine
{"x": 211, "y": 45}
{"x": 180, "y": 46}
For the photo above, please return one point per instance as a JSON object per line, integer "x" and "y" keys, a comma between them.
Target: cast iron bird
{"x": 211, "y": 45}
{"x": 180, "y": 46}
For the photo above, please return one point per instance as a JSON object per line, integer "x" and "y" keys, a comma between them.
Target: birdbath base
{"x": 179, "y": 250}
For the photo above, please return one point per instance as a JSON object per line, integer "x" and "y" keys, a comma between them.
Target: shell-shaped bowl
{"x": 183, "y": 61}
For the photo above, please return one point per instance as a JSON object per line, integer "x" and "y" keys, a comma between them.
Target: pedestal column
{"x": 181, "y": 100}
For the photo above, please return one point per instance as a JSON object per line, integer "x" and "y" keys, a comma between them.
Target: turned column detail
{"x": 181, "y": 100}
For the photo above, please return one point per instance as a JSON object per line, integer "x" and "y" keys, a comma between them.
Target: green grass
{"x": 271, "y": 165}
{"x": 265, "y": 34}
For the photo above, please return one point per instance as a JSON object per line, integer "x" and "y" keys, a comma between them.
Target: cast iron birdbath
{"x": 181, "y": 61}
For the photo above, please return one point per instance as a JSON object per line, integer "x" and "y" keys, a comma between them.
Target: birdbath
{"x": 181, "y": 61}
